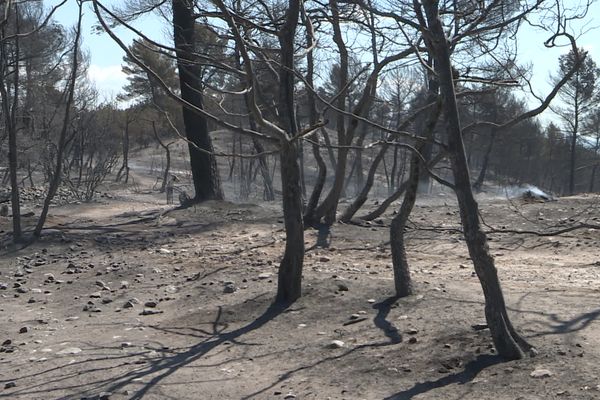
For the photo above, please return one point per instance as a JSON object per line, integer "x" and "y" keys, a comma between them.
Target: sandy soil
{"x": 128, "y": 299}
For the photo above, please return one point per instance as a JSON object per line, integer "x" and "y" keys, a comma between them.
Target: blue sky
{"x": 106, "y": 56}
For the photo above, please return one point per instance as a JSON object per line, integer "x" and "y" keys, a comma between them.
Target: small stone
{"x": 7, "y": 342}
{"x": 289, "y": 396}
{"x": 264, "y": 275}
{"x": 150, "y": 311}
{"x": 324, "y": 259}
{"x": 124, "y": 285}
{"x": 150, "y": 304}
{"x": 336, "y": 344}
{"x": 540, "y": 373}
{"x": 24, "y": 329}
{"x": 412, "y": 331}
{"x": 10, "y": 385}
{"x": 229, "y": 289}
{"x": 413, "y": 340}
{"x": 95, "y": 295}
{"x": 371, "y": 301}
{"x": 100, "y": 284}
{"x": 354, "y": 316}
{"x": 342, "y": 287}
{"x": 126, "y": 344}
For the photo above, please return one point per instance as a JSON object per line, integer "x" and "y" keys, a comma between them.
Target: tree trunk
{"x": 9, "y": 111}
{"x": 486, "y": 159}
{"x": 315, "y": 195}
{"x": 593, "y": 178}
{"x": 402, "y": 280}
{"x": 205, "y": 175}
{"x": 572, "y": 160}
{"x": 125, "y": 166}
{"x": 289, "y": 287}
{"x": 165, "y": 179}
{"x": 508, "y": 342}
{"x": 362, "y": 197}
{"x": 62, "y": 140}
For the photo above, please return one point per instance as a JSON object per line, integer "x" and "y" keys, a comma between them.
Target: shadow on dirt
{"x": 467, "y": 375}
{"x": 153, "y": 369}
{"x": 383, "y": 309}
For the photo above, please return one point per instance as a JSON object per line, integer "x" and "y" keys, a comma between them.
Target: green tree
{"x": 578, "y": 96}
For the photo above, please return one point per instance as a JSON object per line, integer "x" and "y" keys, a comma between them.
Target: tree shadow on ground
{"x": 156, "y": 369}
{"x": 467, "y": 375}
{"x": 383, "y": 309}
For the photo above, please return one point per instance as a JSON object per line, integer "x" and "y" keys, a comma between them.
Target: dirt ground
{"x": 130, "y": 299}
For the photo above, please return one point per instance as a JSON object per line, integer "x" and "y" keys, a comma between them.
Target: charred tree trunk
{"x": 205, "y": 175}
{"x": 362, "y": 197}
{"x": 508, "y": 342}
{"x": 315, "y": 195}
{"x": 289, "y": 285}
{"x": 269, "y": 194}
{"x": 62, "y": 140}
{"x": 402, "y": 281}
{"x": 9, "y": 111}
{"x": 124, "y": 170}
{"x": 486, "y": 159}
{"x": 167, "y": 170}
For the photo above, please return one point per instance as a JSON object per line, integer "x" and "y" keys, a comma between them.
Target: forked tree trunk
{"x": 167, "y": 170}
{"x": 508, "y": 342}
{"x": 362, "y": 197}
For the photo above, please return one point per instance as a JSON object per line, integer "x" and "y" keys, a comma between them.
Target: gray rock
{"x": 540, "y": 373}
{"x": 150, "y": 311}
{"x": 229, "y": 289}
{"x": 10, "y": 385}
{"x": 336, "y": 344}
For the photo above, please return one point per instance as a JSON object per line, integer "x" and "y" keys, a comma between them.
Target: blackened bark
{"x": 362, "y": 197}
{"x": 125, "y": 166}
{"x": 167, "y": 170}
{"x": 486, "y": 160}
{"x": 289, "y": 287}
{"x": 315, "y": 195}
{"x": 508, "y": 342}
{"x": 205, "y": 175}
{"x": 269, "y": 193}
{"x": 62, "y": 140}
{"x": 402, "y": 281}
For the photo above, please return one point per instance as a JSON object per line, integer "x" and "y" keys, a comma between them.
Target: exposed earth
{"x": 127, "y": 298}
